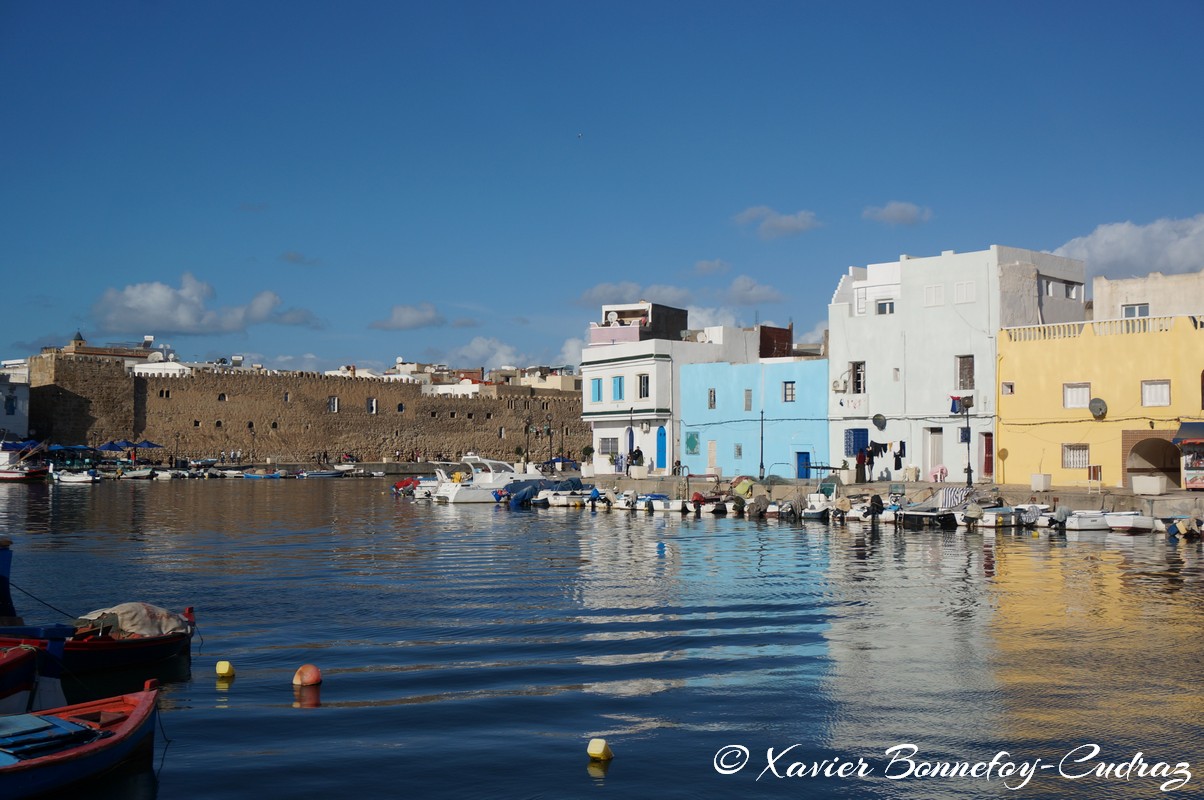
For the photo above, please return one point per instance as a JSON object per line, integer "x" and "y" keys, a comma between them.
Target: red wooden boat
{"x": 100, "y": 646}
{"x": 49, "y": 750}
{"x": 92, "y": 651}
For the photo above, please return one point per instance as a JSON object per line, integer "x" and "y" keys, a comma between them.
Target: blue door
{"x": 660, "y": 447}
{"x": 802, "y": 465}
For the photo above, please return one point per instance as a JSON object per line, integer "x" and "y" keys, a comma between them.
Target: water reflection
{"x": 452, "y": 636}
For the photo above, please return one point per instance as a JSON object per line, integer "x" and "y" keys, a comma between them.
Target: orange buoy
{"x": 307, "y": 675}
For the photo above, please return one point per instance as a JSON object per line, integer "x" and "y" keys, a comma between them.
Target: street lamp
{"x": 965, "y": 403}
{"x": 551, "y": 432}
{"x": 761, "y": 475}
{"x": 527, "y": 451}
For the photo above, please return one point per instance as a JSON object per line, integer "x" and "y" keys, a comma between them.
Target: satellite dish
{"x": 1098, "y": 408}
{"x": 155, "y": 357}
{"x": 879, "y": 422}
{"x": 613, "y": 316}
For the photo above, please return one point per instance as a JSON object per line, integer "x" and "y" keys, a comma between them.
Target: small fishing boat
{"x": 321, "y": 473}
{"x": 124, "y": 636}
{"x": 24, "y": 473}
{"x": 18, "y": 672}
{"x": 632, "y": 500}
{"x": 259, "y": 474}
{"x": 1130, "y": 522}
{"x": 46, "y": 751}
{"x": 84, "y": 477}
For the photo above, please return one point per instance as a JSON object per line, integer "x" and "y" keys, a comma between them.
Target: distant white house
{"x": 14, "y": 392}
{"x": 1153, "y": 295}
{"x": 906, "y": 337}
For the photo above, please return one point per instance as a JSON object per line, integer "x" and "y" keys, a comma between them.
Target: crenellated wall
{"x": 291, "y": 416}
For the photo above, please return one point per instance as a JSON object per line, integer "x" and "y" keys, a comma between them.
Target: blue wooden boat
{"x": 46, "y": 751}
{"x": 261, "y": 474}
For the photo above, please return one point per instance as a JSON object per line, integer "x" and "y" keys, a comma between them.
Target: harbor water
{"x": 474, "y": 651}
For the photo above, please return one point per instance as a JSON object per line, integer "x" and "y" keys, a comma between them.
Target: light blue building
{"x": 737, "y": 419}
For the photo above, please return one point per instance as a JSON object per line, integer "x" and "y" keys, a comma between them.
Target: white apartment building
{"x": 907, "y": 337}
{"x": 630, "y": 374}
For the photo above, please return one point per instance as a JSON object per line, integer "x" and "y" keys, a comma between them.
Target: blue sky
{"x": 313, "y": 184}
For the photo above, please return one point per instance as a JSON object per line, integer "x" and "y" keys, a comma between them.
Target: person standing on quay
{"x": 860, "y": 466}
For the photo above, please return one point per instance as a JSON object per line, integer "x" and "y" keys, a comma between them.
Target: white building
{"x": 630, "y": 374}
{"x": 14, "y": 391}
{"x": 908, "y": 336}
{"x": 1153, "y": 295}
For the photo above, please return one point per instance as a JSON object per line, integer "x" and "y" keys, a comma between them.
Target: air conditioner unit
{"x": 839, "y": 385}
{"x": 644, "y": 426}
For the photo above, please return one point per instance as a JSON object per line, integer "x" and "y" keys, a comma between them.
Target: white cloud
{"x": 630, "y": 292}
{"x": 710, "y": 267}
{"x": 773, "y": 224}
{"x": 710, "y": 317}
{"x": 487, "y": 352}
{"x": 405, "y": 318}
{"x": 155, "y": 306}
{"x": 745, "y": 291}
{"x": 1122, "y": 249}
{"x": 813, "y": 336}
{"x": 897, "y": 212}
{"x": 570, "y": 352}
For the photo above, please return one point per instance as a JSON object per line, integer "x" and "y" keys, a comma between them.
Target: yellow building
{"x": 1097, "y": 401}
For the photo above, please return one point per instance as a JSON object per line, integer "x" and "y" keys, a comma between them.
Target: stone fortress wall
{"x": 292, "y": 416}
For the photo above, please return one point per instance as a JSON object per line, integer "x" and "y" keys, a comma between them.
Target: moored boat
{"x": 478, "y": 484}
{"x": 46, "y": 751}
{"x": 124, "y": 636}
{"x": 1129, "y": 522}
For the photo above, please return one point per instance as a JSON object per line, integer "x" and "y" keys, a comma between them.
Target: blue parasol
{"x": 125, "y": 444}
{"x": 111, "y": 447}
{"x": 147, "y": 443}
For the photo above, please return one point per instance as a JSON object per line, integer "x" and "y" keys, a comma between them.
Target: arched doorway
{"x": 1154, "y": 457}
{"x": 661, "y": 447}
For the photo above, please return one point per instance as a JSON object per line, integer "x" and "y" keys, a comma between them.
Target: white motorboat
{"x": 635, "y": 501}
{"x": 478, "y": 483}
{"x": 67, "y": 476}
{"x": 1130, "y": 522}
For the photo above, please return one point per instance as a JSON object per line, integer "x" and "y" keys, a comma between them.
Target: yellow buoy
{"x": 599, "y": 750}
{"x": 225, "y": 669}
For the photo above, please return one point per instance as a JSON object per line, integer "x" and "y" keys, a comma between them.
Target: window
{"x": 859, "y": 301}
{"x": 748, "y": 399}
{"x": 856, "y": 440}
{"x": 608, "y": 446}
{"x": 287, "y": 397}
{"x": 1075, "y": 456}
{"x": 787, "y": 391}
{"x": 934, "y": 295}
{"x": 217, "y": 424}
{"x": 1072, "y": 290}
{"x": 10, "y": 405}
{"x": 616, "y": 387}
{"x": 857, "y": 376}
{"x": 371, "y": 405}
{"x": 1134, "y": 310}
{"x": 401, "y": 407}
{"x": 965, "y": 372}
{"x": 332, "y": 404}
{"x": 1007, "y": 387}
{"x": 221, "y": 398}
{"x": 885, "y": 307}
{"x": 738, "y": 451}
{"x": 710, "y": 398}
{"x": 1076, "y": 395}
{"x": 595, "y": 390}
{"x": 643, "y": 386}
{"x": 501, "y": 432}
{"x": 1155, "y": 393}
{"x": 963, "y": 292}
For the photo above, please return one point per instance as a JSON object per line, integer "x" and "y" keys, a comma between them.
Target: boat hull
{"x": 127, "y": 722}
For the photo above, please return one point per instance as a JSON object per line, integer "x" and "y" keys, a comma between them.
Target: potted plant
{"x": 847, "y": 474}
{"x": 587, "y": 464}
